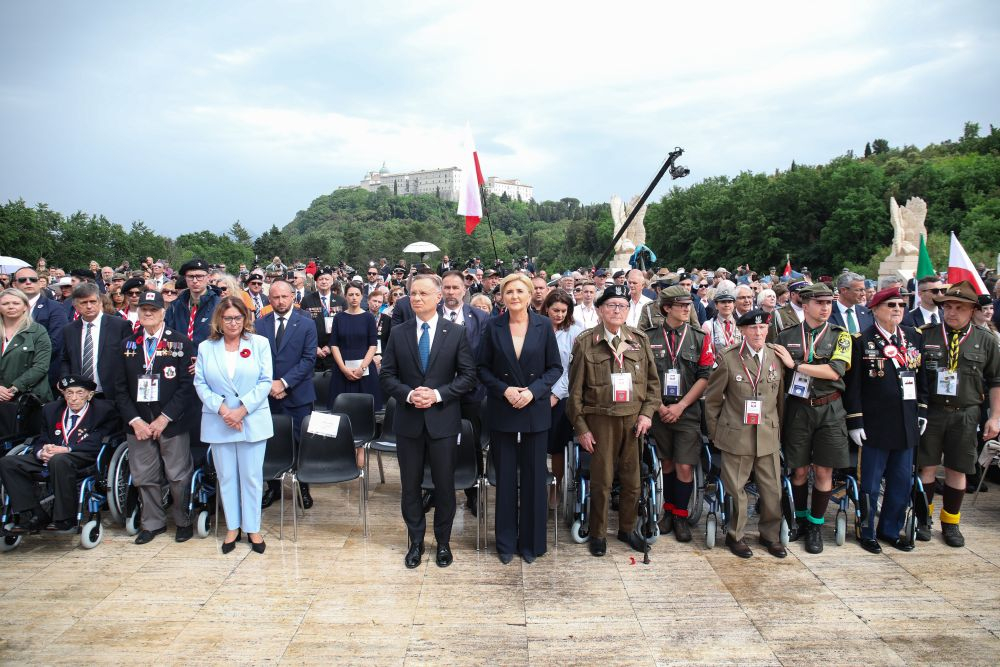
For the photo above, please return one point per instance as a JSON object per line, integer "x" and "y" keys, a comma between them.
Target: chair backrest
{"x": 361, "y": 409}
{"x": 465, "y": 461}
{"x": 325, "y": 460}
{"x": 321, "y": 383}
{"x": 388, "y": 433}
{"x": 279, "y": 452}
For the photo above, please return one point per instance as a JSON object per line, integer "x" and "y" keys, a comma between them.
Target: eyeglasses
{"x": 232, "y": 319}
{"x": 615, "y": 307}
{"x": 373, "y": 273}
{"x": 169, "y": 292}
{"x": 577, "y": 289}
{"x": 256, "y": 282}
{"x": 895, "y": 304}
{"x": 27, "y": 280}
{"x": 133, "y": 292}
{"x": 196, "y": 276}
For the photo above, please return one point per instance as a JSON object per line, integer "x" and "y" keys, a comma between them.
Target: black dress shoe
{"x": 184, "y": 533}
{"x": 773, "y": 548}
{"x": 146, "y": 536}
{"x": 924, "y": 533}
{"x": 952, "y": 535}
{"x": 413, "y": 555}
{"x": 307, "y": 499}
{"x": 598, "y": 547}
{"x": 257, "y": 547}
{"x": 62, "y": 526}
{"x": 444, "y": 557}
{"x": 814, "y": 539}
{"x": 505, "y": 558}
{"x": 229, "y": 546}
{"x": 37, "y": 522}
{"x": 897, "y": 543}
{"x": 871, "y": 546}
{"x": 800, "y": 529}
{"x": 267, "y": 499}
{"x": 666, "y": 522}
{"x": 528, "y": 558}
{"x": 739, "y": 547}
{"x": 682, "y": 529}
{"x": 630, "y": 538}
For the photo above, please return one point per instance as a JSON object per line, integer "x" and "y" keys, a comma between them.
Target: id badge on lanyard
{"x": 148, "y": 390}
{"x": 947, "y": 383}
{"x": 328, "y": 323}
{"x": 801, "y": 385}
{"x": 672, "y": 383}
{"x": 752, "y": 411}
{"x": 908, "y": 383}
{"x": 621, "y": 387}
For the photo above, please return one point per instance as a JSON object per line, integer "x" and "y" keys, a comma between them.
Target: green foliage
{"x": 213, "y": 248}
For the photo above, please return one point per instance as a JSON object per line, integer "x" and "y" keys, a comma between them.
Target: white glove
{"x": 922, "y": 424}
{"x": 858, "y": 436}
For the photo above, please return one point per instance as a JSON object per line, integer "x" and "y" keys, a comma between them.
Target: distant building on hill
{"x": 443, "y": 183}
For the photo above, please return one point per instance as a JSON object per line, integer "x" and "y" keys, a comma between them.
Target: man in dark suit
{"x": 926, "y": 311}
{"x": 154, "y": 389}
{"x": 293, "y": 355}
{"x": 847, "y": 312}
{"x": 92, "y": 344}
{"x": 322, "y": 306}
{"x": 402, "y": 310}
{"x": 74, "y": 426}
{"x": 474, "y": 320}
{"x": 47, "y": 312}
{"x": 427, "y": 366}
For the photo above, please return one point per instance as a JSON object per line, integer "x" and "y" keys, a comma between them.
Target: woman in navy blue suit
{"x": 518, "y": 364}
{"x": 232, "y": 376}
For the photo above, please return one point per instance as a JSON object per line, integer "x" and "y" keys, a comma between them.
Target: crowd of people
{"x": 783, "y": 374}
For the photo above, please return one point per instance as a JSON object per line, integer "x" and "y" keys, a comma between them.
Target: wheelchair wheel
{"x": 841, "y": 534}
{"x": 697, "y": 505}
{"x": 579, "y": 532}
{"x": 783, "y": 532}
{"x": 203, "y": 524}
{"x": 910, "y": 527}
{"x": 118, "y": 484}
{"x": 10, "y": 542}
{"x": 132, "y": 522}
{"x": 711, "y": 527}
{"x": 92, "y": 534}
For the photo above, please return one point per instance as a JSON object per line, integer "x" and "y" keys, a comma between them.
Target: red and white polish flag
{"x": 470, "y": 204}
{"x": 960, "y": 267}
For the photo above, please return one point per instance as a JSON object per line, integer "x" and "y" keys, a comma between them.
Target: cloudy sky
{"x": 191, "y": 115}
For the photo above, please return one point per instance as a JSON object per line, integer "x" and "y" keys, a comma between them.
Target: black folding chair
{"x": 386, "y": 440}
{"x": 279, "y": 458}
{"x": 466, "y": 470}
{"x": 328, "y": 460}
{"x": 321, "y": 383}
{"x": 360, "y": 408}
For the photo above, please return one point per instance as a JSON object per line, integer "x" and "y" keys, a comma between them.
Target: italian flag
{"x": 470, "y": 204}
{"x": 960, "y": 267}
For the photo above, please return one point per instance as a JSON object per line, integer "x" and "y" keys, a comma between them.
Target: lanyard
{"x": 79, "y": 420}
{"x": 899, "y": 355}
{"x": 620, "y": 358}
{"x": 727, "y": 337}
{"x": 149, "y": 359}
{"x": 812, "y": 341}
{"x": 754, "y": 381}
{"x": 680, "y": 346}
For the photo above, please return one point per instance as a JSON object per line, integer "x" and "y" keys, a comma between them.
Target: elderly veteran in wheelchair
{"x": 73, "y": 428}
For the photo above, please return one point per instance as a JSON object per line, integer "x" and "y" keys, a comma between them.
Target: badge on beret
{"x": 170, "y": 372}
{"x": 150, "y": 296}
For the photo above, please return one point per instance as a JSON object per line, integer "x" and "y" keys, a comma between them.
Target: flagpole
{"x": 486, "y": 213}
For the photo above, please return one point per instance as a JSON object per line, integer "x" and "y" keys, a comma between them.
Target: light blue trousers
{"x": 240, "y": 469}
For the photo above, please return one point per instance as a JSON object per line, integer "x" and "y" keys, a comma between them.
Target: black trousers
{"x": 19, "y": 478}
{"x": 412, "y": 453}
{"x": 520, "y": 518}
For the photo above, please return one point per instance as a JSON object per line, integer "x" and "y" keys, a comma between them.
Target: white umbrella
{"x": 422, "y": 248}
{"x": 11, "y": 264}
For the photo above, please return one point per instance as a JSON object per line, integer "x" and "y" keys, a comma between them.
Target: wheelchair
{"x": 92, "y": 496}
{"x": 845, "y": 494}
{"x": 650, "y": 493}
{"x": 20, "y": 421}
{"x": 576, "y": 492}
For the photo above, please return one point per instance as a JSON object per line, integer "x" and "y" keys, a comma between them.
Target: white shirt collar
{"x": 432, "y": 322}
{"x": 928, "y": 313}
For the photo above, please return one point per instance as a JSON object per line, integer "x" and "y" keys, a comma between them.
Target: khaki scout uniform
{"x": 748, "y": 448}
{"x": 591, "y": 408}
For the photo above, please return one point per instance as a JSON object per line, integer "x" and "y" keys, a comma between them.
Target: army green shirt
{"x": 685, "y": 350}
{"x": 977, "y": 364}
{"x": 827, "y": 344}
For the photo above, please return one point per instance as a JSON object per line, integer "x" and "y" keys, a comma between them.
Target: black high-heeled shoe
{"x": 229, "y": 546}
{"x": 257, "y": 547}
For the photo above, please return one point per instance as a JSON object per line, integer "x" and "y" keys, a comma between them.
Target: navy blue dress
{"x": 353, "y": 335}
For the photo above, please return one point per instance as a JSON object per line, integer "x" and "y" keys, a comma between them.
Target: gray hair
{"x": 86, "y": 289}
{"x": 764, "y": 293}
{"x": 889, "y": 281}
{"x": 743, "y": 287}
{"x": 844, "y": 280}
{"x": 433, "y": 277}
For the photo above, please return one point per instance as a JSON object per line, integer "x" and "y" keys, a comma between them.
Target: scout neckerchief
{"x": 728, "y": 337}
{"x": 754, "y": 381}
{"x": 814, "y": 339}
{"x": 900, "y": 356}
{"x": 673, "y": 352}
{"x": 954, "y": 345}
{"x": 194, "y": 311}
{"x": 67, "y": 431}
{"x": 150, "y": 358}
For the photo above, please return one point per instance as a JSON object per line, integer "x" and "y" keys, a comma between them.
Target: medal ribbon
{"x": 65, "y": 421}
{"x": 150, "y": 358}
{"x": 813, "y": 340}
{"x": 754, "y": 381}
{"x": 901, "y": 354}
{"x": 670, "y": 350}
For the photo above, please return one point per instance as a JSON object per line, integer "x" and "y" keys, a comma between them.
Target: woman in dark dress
{"x": 383, "y": 323}
{"x": 352, "y": 343}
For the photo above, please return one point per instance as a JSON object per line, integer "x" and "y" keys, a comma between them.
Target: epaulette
{"x": 925, "y": 326}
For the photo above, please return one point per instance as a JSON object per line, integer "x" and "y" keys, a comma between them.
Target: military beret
{"x": 618, "y": 274}
{"x": 884, "y": 295}
{"x": 133, "y": 283}
{"x": 724, "y": 294}
{"x": 962, "y": 292}
{"x": 675, "y": 294}
{"x": 76, "y": 381}
{"x": 151, "y": 298}
{"x": 756, "y": 316}
{"x": 816, "y": 291}
{"x": 194, "y": 265}
{"x": 326, "y": 271}
{"x": 613, "y": 292}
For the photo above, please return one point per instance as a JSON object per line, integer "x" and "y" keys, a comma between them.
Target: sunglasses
{"x": 256, "y": 282}
{"x": 169, "y": 292}
{"x": 223, "y": 289}
{"x": 27, "y": 280}
{"x": 372, "y": 273}
{"x": 895, "y": 304}
{"x": 133, "y": 292}
{"x": 935, "y": 290}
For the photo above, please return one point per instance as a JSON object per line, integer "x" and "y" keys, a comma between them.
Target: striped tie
{"x": 88, "y": 352}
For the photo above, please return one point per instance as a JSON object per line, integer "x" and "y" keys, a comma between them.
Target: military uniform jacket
{"x": 978, "y": 364}
{"x": 782, "y": 318}
{"x": 694, "y": 360}
{"x": 729, "y": 389}
{"x": 874, "y": 397}
{"x": 171, "y": 362}
{"x": 312, "y": 305}
{"x": 591, "y": 365}
{"x": 832, "y": 346}
{"x": 99, "y": 421}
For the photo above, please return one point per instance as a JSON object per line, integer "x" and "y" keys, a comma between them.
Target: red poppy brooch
{"x": 245, "y": 353}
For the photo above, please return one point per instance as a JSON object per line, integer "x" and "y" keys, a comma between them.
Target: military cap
{"x": 816, "y": 291}
{"x": 600, "y": 273}
{"x": 133, "y": 283}
{"x": 118, "y": 276}
{"x": 489, "y": 273}
{"x": 884, "y": 295}
{"x": 755, "y": 316}
{"x": 724, "y": 294}
{"x": 194, "y": 265}
{"x": 84, "y": 274}
{"x": 618, "y": 274}
{"x": 613, "y": 292}
{"x": 325, "y": 271}
{"x": 151, "y": 298}
{"x": 68, "y": 381}
{"x": 65, "y": 281}
{"x": 962, "y": 292}
{"x": 675, "y": 294}
{"x": 797, "y": 285}
{"x": 663, "y": 272}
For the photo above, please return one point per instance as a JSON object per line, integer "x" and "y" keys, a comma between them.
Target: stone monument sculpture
{"x": 907, "y": 227}
{"x": 633, "y": 237}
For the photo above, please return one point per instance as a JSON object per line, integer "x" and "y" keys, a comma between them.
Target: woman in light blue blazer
{"x": 233, "y": 379}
